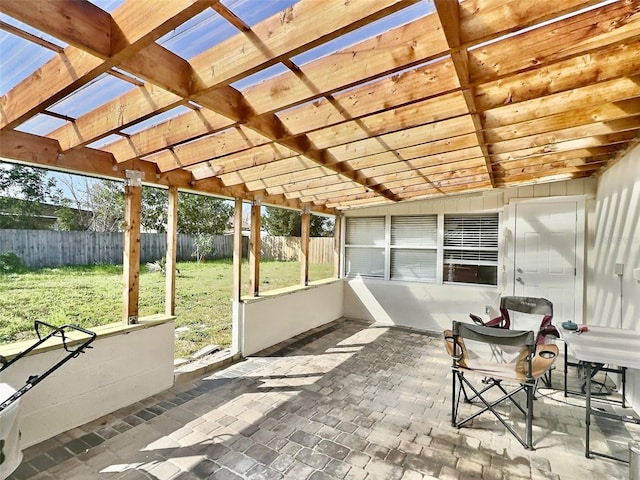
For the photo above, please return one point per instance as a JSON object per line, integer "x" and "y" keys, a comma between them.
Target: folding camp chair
{"x": 469, "y": 346}
{"x": 525, "y": 313}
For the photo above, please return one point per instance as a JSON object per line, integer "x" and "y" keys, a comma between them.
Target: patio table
{"x": 602, "y": 349}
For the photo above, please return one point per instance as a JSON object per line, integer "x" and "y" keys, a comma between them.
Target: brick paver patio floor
{"x": 349, "y": 400}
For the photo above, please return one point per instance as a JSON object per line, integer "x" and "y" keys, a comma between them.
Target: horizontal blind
{"x": 471, "y": 231}
{"x": 365, "y": 231}
{"x": 365, "y": 261}
{"x": 412, "y": 264}
{"x": 414, "y": 231}
{"x": 476, "y": 257}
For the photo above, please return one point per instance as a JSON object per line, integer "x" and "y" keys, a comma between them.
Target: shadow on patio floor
{"x": 348, "y": 400}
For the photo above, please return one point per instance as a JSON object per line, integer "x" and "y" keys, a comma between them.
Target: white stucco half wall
{"x": 274, "y": 318}
{"x": 417, "y": 305}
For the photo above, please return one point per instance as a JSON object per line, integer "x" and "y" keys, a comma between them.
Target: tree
{"x": 24, "y": 191}
{"x": 199, "y": 214}
{"x": 288, "y": 223}
{"x": 69, "y": 218}
{"x": 155, "y": 202}
{"x": 74, "y": 213}
{"x": 106, "y": 200}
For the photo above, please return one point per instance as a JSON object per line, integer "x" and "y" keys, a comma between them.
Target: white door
{"x": 546, "y": 244}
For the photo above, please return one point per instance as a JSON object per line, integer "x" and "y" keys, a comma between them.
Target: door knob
{"x": 519, "y": 270}
{"x": 519, "y": 280}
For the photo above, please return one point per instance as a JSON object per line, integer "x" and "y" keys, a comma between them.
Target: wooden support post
{"x": 337, "y": 234}
{"x": 131, "y": 254}
{"x": 237, "y": 251}
{"x": 305, "y": 227}
{"x": 172, "y": 248}
{"x": 237, "y": 323}
{"x": 254, "y": 250}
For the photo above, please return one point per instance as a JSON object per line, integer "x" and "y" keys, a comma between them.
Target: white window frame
{"x": 423, "y": 247}
{"x": 439, "y": 280}
{"x": 372, "y": 247}
{"x": 470, "y": 248}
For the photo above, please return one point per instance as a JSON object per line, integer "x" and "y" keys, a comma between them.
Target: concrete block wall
{"x": 121, "y": 369}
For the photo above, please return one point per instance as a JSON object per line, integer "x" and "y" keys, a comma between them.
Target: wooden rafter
{"x": 468, "y": 96}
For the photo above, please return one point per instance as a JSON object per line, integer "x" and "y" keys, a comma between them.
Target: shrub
{"x": 11, "y": 263}
{"x": 204, "y": 245}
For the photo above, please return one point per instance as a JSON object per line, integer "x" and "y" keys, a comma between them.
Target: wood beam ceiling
{"x": 465, "y": 95}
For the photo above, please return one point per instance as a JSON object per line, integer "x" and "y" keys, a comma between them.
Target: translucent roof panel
{"x": 20, "y": 57}
{"x": 163, "y": 117}
{"x": 105, "y": 141}
{"x": 107, "y": 5}
{"x": 99, "y": 91}
{"x": 258, "y": 77}
{"x": 252, "y": 12}
{"x": 371, "y": 30}
{"x": 41, "y": 124}
{"x": 31, "y": 30}
{"x": 198, "y": 34}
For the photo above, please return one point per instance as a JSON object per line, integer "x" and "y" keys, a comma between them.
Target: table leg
{"x": 624, "y": 383}
{"x": 588, "y": 410}
{"x": 565, "y": 369}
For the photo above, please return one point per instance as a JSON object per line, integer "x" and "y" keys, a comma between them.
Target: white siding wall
{"x": 616, "y": 230}
{"x": 432, "y": 307}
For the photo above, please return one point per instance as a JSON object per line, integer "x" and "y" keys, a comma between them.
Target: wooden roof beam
{"x": 604, "y": 27}
{"x": 604, "y": 118}
{"x": 279, "y": 36}
{"x": 286, "y": 34}
{"x": 132, "y": 28}
{"x": 46, "y": 152}
{"x": 558, "y": 141}
{"x": 449, "y": 13}
{"x": 272, "y": 90}
{"x": 615, "y": 90}
{"x": 271, "y": 127}
{"x": 78, "y": 23}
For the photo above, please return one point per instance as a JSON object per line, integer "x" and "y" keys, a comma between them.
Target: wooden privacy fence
{"x": 50, "y": 248}
{"x": 286, "y": 248}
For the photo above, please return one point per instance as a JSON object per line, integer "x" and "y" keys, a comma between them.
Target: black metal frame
{"x": 591, "y": 369}
{"x": 61, "y": 332}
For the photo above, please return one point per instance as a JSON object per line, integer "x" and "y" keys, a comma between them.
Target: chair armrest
{"x": 543, "y": 359}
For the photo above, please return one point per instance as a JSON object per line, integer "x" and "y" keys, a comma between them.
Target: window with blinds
{"x": 409, "y": 248}
{"x": 470, "y": 250}
{"x": 414, "y": 242}
{"x": 365, "y": 247}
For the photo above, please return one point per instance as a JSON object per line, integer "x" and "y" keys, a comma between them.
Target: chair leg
{"x": 529, "y": 427}
{"x": 526, "y": 440}
{"x": 454, "y": 397}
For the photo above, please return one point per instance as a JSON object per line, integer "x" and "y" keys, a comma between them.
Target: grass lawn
{"x": 91, "y": 296}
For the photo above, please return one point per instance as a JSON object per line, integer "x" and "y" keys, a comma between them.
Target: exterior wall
{"x": 119, "y": 370}
{"x": 416, "y": 305}
{"x": 432, "y": 307}
{"x": 269, "y": 320}
{"x": 615, "y": 301}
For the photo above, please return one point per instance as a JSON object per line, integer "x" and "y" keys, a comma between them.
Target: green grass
{"x": 92, "y": 296}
